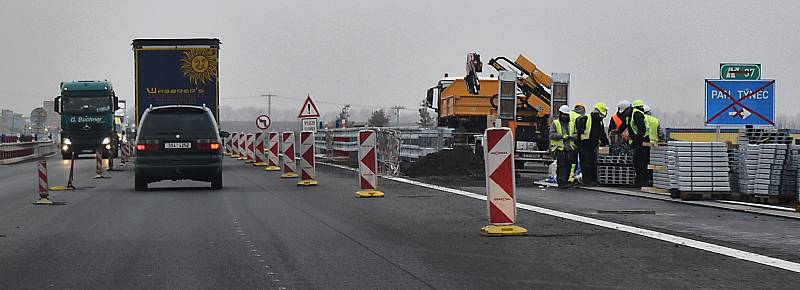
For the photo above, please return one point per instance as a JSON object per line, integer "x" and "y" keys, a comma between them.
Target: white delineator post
{"x": 44, "y": 194}
{"x": 289, "y": 164}
{"x": 501, "y": 203}
{"x": 259, "y": 149}
{"x": 307, "y": 162}
{"x": 273, "y": 163}
{"x": 368, "y": 164}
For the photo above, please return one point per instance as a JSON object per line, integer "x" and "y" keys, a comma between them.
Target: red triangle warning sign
{"x": 308, "y": 110}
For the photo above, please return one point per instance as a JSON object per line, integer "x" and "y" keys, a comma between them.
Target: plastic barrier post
{"x": 273, "y": 164}
{"x": 307, "y": 162}
{"x": 235, "y": 145}
{"x": 259, "y": 149}
{"x": 242, "y": 143}
{"x": 44, "y": 195}
{"x": 249, "y": 148}
{"x": 98, "y": 169}
{"x": 289, "y": 163}
{"x": 501, "y": 203}
{"x": 368, "y": 164}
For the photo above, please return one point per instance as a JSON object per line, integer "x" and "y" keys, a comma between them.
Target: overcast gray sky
{"x": 384, "y": 53}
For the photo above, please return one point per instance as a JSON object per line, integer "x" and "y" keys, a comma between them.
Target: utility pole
{"x": 269, "y": 96}
{"x": 397, "y": 112}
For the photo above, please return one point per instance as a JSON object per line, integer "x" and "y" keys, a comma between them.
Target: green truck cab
{"x": 87, "y": 118}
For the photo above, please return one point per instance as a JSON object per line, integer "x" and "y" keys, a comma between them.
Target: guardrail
{"x": 19, "y": 151}
{"x": 414, "y": 142}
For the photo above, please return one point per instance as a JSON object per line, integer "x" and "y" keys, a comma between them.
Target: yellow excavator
{"x": 469, "y": 104}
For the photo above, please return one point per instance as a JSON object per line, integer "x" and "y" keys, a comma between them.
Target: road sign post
{"x": 736, "y": 103}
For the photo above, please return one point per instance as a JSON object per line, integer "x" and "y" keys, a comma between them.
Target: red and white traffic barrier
{"x": 235, "y": 145}
{"x": 501, "y": 200}
{"x": 259, "y": 149}
{"x": 307, "y": 162}
{"x": 98, "y": 168}
{"x": 251, "y": 152}
{"x": 368, "y": 164}
{"x": 273, "y": 163}
{"x": 44, "y": 194}
{"x": 289, "y": 164}
{"x": 242, "y": 144}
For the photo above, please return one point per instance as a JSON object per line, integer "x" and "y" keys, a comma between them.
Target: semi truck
{"x": 176, "y": 72}
{"x": 87, "y": 118}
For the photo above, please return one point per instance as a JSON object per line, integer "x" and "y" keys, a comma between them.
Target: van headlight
{"x": 67, "y": 141}
{"x": 106, "y": 140}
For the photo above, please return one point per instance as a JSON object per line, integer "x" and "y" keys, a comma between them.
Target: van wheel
{"x": 216, "y": 181}
{"x": 141, "y": 185}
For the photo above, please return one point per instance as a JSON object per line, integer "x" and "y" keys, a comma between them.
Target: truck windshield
{"x": 87, "y": 105}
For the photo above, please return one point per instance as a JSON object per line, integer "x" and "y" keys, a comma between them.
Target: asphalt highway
{"x": 264, "y": 232}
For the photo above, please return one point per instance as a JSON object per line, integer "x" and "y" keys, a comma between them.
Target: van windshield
{"x": 168, "y": 123}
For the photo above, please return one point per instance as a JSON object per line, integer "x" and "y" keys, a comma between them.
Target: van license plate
{"x": 185, "y": 145}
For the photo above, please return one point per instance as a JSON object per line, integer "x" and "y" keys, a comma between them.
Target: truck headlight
{"x": 64, "y": 148}
{"x": 106, "y": 140}
{"x": 108, "y": 146}
{"x": 67, "y": 141}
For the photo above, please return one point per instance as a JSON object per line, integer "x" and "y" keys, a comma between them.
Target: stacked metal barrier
{"x": 747, "y": 167}
{"x": 659, "y": 161}
{"x": 764, "y": 136}
{"x": 701, "y": 166}
{"x": 615, "y": 170}
{"x": 776, "y": 173}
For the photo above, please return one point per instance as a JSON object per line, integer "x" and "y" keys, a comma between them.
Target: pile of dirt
{"x": 457, "y": 161}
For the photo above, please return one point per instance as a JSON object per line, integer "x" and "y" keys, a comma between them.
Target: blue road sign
{"x": 732, "y": 103}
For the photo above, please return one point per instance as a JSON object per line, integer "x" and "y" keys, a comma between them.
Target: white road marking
{"x": 757, "y": 205}
{"x": 730, "y": 252}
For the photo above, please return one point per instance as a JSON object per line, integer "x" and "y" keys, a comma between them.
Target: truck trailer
{"x": 176, "y": 72}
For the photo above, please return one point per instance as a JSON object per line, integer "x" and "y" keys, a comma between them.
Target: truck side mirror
{"x": 116, "y": 103}
{"x": 57, "y": 104}
{"x": 429, "y": 99}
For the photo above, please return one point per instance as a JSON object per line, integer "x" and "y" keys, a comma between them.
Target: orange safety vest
{"x": 618, "y": 122}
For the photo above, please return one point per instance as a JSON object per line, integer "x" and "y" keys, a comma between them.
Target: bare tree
{"x": 425, "y": 118}
{"x": 378, "y": 119}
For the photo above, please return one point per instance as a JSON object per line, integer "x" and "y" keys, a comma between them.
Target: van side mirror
{"x": 224, "y": 134}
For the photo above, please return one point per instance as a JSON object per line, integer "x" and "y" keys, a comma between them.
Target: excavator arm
{"x": 530, "y": 80}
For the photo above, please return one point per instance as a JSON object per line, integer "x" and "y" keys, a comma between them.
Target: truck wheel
{"x": 216, "y": 181}
{"x": 66, "y": 155}
{"x": 141, "y": 185}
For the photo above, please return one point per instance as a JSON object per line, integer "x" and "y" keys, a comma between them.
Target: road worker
{"x": 591, "y": 134}
{"x": 618, "y": 119}
{"x": 654, "y": 131}
{"x": 562, "y": 145}
{"x": 637, "y": 128}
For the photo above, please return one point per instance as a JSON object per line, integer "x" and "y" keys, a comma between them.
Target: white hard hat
{"x": 564, "y": 109}
{"x": 624, "y": 105}
{"x": 646, "y": 109}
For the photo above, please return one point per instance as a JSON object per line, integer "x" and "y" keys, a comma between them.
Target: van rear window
{"x": 166, "y": 123}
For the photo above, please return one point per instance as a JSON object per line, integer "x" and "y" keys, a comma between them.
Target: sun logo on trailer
{"x": 199, "y": 65}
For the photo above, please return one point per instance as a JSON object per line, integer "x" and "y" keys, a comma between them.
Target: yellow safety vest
{"x": 652, "y": 127}
{"x": 573, "y": 116}
{"x": 586, "y": 132}
{"x": 558, "y": 145}
{"x": 632, "y": 124}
